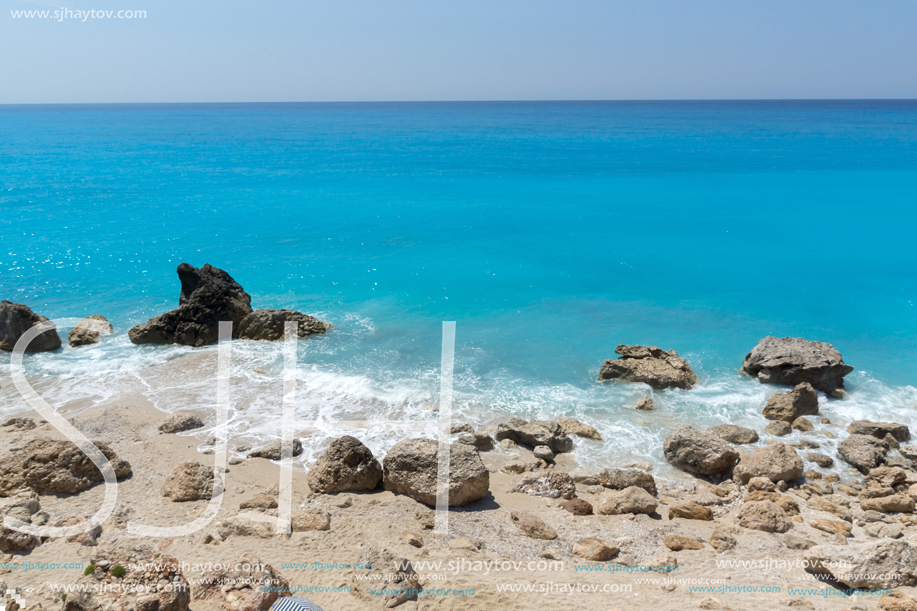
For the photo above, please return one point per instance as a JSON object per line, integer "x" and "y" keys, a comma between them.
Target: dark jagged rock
{"x": 793, "y": 360}
{"x": 208, "y": 296}
{"x": 650, "y": 365}
{"x": 88, "y": 330}
{"x": 16, "y": 319}
{"x": 269, "y": 324}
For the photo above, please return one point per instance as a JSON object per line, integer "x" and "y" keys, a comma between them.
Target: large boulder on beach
{"x": 208, "y": 295}
{"x": 248, "y": 584}
{"x": 53, "y": 466}
{"x": 788, "y": 406}
{"x": 347, "y": 464}
{"x": 699, "y": 452}
{"x": 793, "y": 360}
{"x": 869, "y": 566}
{"x": 776, "y": 462}
{"x": 535, "y": 433}
{"x": 650, "y": 365}
{"x": 88, "y": 330}
{"x": 864, "y": 452}
{"x": 103, "y": 589}
{"x": 16, "y": 319}
{"x": 410, "y": 468}
{"x": 269, "y": 325}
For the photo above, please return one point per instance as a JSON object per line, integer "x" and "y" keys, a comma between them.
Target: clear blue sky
{"x": 304, "y": 50}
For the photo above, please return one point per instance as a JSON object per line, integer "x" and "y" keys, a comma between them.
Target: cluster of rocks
{"x": 208, "y": 296}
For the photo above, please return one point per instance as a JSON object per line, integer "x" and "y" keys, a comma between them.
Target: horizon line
{"x": 499, "y": 101}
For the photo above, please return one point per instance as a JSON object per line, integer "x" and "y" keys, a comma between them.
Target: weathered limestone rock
{"x": 347, "y": 464}
{"x": 650, "y": 365}
{"x": 269, "y": 325}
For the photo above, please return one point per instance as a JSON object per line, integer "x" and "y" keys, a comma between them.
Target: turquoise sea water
{"x": 551, "y": 232}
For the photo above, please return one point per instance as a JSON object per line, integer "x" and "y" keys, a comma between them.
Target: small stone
{"x": 677, "y": 543}
{"x": 803, "y": 424}
{"x": 465, "y": 544}
{"x": 530, "y": 526}
{"x": 551, "y": 554}
{"x": 508, "y": 444}
{"x": 544, "y": 453}
{"x": 262, "y": 501}
{"x": 722, "y": 541}
{"x": 594, "y": 549}
{"x": 832, "y": 527}
{"x": 412, "y": 538}
{"x": 820, "y": 459}
{"x": 578, "y": 507}
{"x": 646, "y": 404}
{"x": 778, "y": 428}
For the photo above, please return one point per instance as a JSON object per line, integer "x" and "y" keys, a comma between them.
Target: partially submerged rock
{"x": 880, "y": 430}
{"x": 650, "y": 365}
{"x": 777, "y": 462}
{"x": 788, "y": 406}
{"x": 52, "y": 466}
{"x": 699, "y": 452}
{"x": 410, "y": 468}
{"x": 269, "y": 325}
{"x": 16, "y": 319}
{"x": 571, "y": 426}
{"x": 88, "y": 330}
{"x": 793, "y": 360}
{"x": 535, "y": 433}
{"x": 347, "y": 465}
{"x": 208, "y": 295}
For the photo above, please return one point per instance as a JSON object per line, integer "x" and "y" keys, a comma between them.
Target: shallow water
{"x": 549, "y": 232}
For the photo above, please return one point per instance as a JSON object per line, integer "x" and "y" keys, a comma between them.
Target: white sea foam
{"x": 374, "y": 393}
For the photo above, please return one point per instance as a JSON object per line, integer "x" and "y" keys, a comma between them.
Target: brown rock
{"x": 51, "y": 466}
{"x": 88, "y": 330}
{"x": 677, "y": 543}
{"x": 594, "y": 549}
{"x": 619, "y": 479}
{"x": 261, "y": 501}
{"x": 309, "y": 519}
{"x": 650, "y": 365}
{"x": 777, "y": 462}
{"x": 578, "y": 507}
{"x": 190, "y": 481}
{"x": 179, "y": 422}
{"x": 530, "y": 526}
{"x": 832, "y": 527}
{"x": 765, "y": 516}
{"x": 346, "y": 465}
{"x": 690, "y": 511}
{"x": 630, "y": 500}
{"x": 894, "y": 503}
{"x": 722, "y": 541}
{"x": 788, "y": 406}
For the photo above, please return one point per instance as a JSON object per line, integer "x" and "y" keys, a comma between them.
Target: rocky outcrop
{"x": 23, "y": 506}
{"x": 880, "y": 430}
{"x": 777, "y": 462}
{"x": 765, "y": 516}
{"x": 88, "y": 330}
{"x": 410, "y": 468}
{"x": 699, "y": 452}
{"x": 346, "y": 465}
{"x": 16, "y": 319}
{"x": 862, "y": 451}
{"x": 269, "y": 325}
{"x": 120, "y": 573}
{"x": 248, "y": 584}
{"x": 535, "y": 433}
{"x": 190, "y": 481}
{"x": 619, "y": 479}
{"x": 788, "y": 406}
{"x": 181, "y": 421}
{"x": 793, "y": 360}
{"x": 383, "y": 579}
{"x": 650, "y": 365}
{"x": 208, "y": 296}
{"x": 273, "y": 450}
{"x": 52, "y": 466}
{"x": 870, "y": 566}
{"x": 629, "y": 500}
{"x": 734, "y": 434}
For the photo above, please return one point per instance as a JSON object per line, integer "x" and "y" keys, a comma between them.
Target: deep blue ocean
{"x": 550, "y": 232}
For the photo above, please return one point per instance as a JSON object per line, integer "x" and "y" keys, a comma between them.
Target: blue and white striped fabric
{"x": 293, "y": 603}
